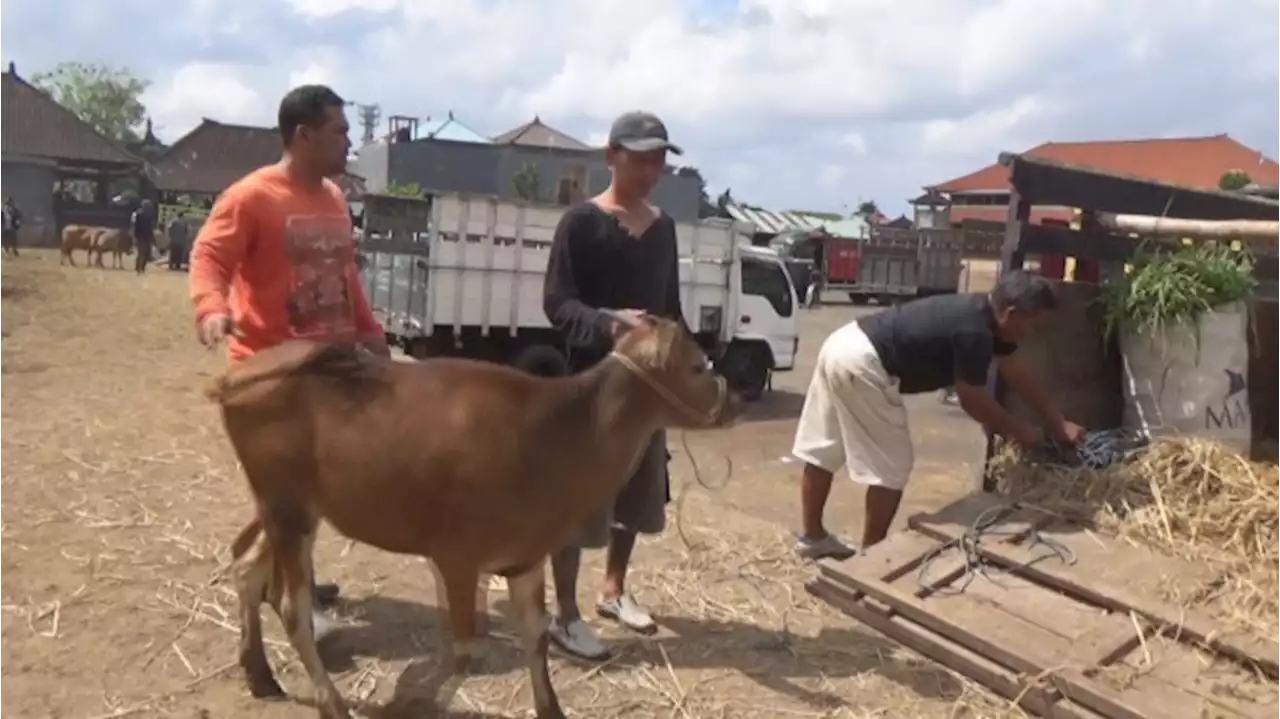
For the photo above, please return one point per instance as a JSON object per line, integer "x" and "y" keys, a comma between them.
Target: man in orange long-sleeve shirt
{"x": 276, "y": 260}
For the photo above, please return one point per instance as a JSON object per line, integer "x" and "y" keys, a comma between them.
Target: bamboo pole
{"x": 1178, "y": 227}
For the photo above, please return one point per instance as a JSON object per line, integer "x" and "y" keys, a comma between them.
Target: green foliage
{"x": 403, "y": 189}
{"x": 1177, "y": 287}
{"x": 525, "y": 182}
{"x": 107, "y": 98}
{"x": 868, "y": 208}
{"x": 1232, "y": 180}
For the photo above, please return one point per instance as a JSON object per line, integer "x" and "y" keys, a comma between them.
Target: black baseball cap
{"x": 641, "y": 132}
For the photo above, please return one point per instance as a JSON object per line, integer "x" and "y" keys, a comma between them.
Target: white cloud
{"x": 218, "y": 91}
{"x": 771, "y": 96}
{"x": 981, "y": 129}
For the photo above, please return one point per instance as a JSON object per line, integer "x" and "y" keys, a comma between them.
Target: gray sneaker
{"x": 578, "y": 639}
{"x": 321, "y": 625}
{"x": 624, "y": 610}
{"x": 829, "y": 547}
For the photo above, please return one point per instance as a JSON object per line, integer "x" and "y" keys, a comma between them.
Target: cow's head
{"x": 665, "y": 357}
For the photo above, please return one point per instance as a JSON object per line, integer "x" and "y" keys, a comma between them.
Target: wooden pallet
{"x": 1083, "y": 636}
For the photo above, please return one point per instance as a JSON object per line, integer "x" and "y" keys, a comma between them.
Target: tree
{"x": 722, "y": 203}
{"x": 109, "y": 99}
{"x": 705, "y": 207}
{"x": 525, "y": 181}
{"x": 868, "y": 208}
{"x": 1232, "y": 180}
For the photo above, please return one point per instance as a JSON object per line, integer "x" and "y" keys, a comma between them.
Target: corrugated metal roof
{"x": 850, "y": 227}
{"x": 450, "y": 128}
{"x": 774, "y": 222}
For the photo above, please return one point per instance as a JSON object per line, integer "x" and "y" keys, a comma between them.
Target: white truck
{"x": 462, "y": 275}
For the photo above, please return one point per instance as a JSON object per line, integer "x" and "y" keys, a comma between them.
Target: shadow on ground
{"x": 780, "y": 661}
{"x": 774, "y": 405}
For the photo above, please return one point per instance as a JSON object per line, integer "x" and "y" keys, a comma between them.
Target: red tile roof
{"x": 1194, "y": 161}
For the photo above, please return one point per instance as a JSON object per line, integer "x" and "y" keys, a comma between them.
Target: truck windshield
{"x": 767, "y": 280}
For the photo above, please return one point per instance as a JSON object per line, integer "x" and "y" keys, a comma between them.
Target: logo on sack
{"x": 1234, "y": 411}
{"x": 1235, "y": 383}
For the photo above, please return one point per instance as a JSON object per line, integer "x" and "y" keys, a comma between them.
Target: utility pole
{"x": 369, "y": 117}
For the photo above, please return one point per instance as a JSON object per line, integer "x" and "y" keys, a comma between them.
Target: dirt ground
{"x": 121, "y": 494}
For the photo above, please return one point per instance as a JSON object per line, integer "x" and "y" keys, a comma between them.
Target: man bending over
{"x": 853, "y": 414}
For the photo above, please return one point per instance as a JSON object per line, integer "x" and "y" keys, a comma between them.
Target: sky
{"x": 792, "y": 104}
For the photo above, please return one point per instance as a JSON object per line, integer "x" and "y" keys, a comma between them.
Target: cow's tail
{"x": 341, "y": 361}
{"x": 245, "y": 539}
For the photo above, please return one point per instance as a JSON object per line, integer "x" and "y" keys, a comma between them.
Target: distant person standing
{"x": 179, "y": 233}
{"x": 12, "y": 223}
{"x": 143, "y": 226}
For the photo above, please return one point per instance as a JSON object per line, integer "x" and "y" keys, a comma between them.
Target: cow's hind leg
{"x": 528, "y": 597}
{"x": 293, "y": 553}
{"x": 254, "y": 575}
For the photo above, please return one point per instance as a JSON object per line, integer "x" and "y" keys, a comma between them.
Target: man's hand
{"x": 1068, "y": 433}
{"x": 621, "y": 327}
{"x": 378, "y": 346}
{"x": 214, "y": 329}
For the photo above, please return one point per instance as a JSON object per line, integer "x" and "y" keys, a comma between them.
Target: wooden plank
{"x": 995, "y": 641}
{"x": 899, "y": 554}
{"x": 1176, "y": 680}
{"x": 1081, "y": 580}
{"x": 1040, "y": 699}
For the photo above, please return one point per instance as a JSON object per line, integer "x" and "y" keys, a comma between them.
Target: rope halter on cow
{"x": 705, "y": 418}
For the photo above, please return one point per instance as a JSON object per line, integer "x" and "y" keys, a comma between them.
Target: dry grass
{"x": 121, "y": 493}
{"x": 1186, "y": 497}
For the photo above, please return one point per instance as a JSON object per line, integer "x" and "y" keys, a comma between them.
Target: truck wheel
{"x": 746, "y": 367}
{"x": 541, "y": 361}
{"x": 857, "y": 299}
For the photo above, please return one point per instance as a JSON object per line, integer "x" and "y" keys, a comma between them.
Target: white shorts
{"x": 853, "y": 415}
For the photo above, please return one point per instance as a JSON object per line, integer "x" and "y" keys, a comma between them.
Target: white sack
{"x": 1191, "y": 380}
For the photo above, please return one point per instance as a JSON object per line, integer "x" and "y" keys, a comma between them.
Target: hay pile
{"x": 1187, "y": 497}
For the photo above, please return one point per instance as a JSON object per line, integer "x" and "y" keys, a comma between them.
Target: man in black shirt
{"x": 853, "y": 414}
{"x": 144, "y": 234}
{"x": 616, "y": 251}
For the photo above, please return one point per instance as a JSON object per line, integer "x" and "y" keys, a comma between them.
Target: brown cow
{"x": 76, "y": 237}
{"x": 482, "y": 468}
{"x": 118, "y": 242}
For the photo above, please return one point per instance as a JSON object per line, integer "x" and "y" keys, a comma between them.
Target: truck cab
{"x": 765, "y": 336}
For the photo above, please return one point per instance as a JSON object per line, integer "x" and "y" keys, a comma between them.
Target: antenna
{"x": 369, "y": 117}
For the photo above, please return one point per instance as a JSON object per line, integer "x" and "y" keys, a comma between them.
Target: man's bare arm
{"x": 1023, "y": 381}
{"x": 978, "y": 403}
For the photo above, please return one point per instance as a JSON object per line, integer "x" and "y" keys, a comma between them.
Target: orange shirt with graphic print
{"x": 278, "y": 257}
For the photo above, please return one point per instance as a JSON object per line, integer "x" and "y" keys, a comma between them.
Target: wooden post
{"x": 1091, "y": 270}
{"x": 1011, "y": 258}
